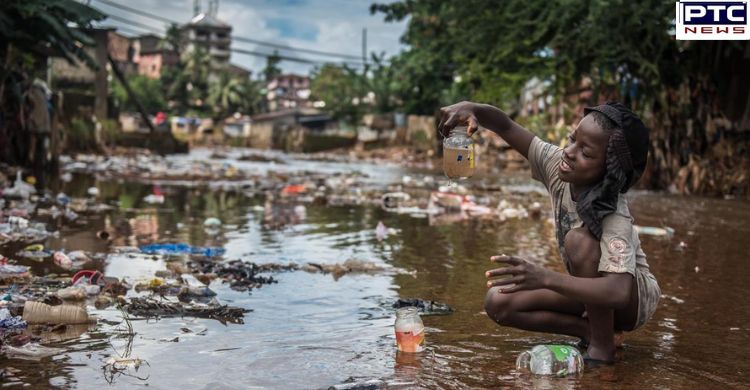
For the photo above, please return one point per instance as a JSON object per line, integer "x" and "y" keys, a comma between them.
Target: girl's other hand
{"x": 463, "y": 113}
{"x": 524, "y": 275}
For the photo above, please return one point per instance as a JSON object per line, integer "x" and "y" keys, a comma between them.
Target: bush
{"x": 80, "y": 135}
{"x": 111, "y": 132}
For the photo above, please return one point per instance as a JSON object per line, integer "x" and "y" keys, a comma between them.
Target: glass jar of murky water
{"x": 459, "y": 160}
{"x": 409, "y": 330}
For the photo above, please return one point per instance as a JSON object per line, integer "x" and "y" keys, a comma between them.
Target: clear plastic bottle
{"x": 409, "y": 330}
{"x": 459, "y": 160}
{"x": 557, "y": 360}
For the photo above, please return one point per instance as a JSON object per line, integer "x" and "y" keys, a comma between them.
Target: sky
{"x": 323, "y": 25}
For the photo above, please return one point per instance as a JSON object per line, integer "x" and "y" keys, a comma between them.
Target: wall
{"x": 260, "y": 135}
{"x": 421, "y": 132}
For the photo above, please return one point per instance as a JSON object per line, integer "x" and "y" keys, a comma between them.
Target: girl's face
{"x": 583, "y": 159}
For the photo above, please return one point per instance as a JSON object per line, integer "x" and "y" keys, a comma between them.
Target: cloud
{"x": 294, "y": 28}
{"x": 322, "y": 25}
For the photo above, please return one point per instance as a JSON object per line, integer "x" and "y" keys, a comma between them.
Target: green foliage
{"x": 342, "y": 89}
{"x": 30, "y": 24}
{"x": 493, "y": 47}
{"x": 174, "y": 38}
{"x": 111, "y": 132}
{"x": 421, "y": 141}
{"x": 272, "y": 66}
{"x": 229, "y": 94}
{"x": 80, "y": 135}
{"x": 147, "y": 90}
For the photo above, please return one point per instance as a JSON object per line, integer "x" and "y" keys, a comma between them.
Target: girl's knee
{"x": 582, "y": 248}
{"x": 498, "y": 306}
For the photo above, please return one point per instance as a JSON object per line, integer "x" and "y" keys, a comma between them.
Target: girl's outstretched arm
{"x": 474, "y": 115}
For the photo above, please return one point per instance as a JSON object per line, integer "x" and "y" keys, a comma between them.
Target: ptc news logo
{"x": 712, "y": 20}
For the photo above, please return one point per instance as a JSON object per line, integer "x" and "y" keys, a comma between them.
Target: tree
{"x": 623, "y": 50}
{"x": 147, "y": 90}
{"x": 175, "y": 81}
{"x": 186, "y": 85}
{"x": 30, "y": 24}
{"x": 229, "y": 94}
{"x": 342, "y": 89}
{"x": 174, "y": 37}
{"x": 31, "y": 30}
{"x": 272, "y": 66}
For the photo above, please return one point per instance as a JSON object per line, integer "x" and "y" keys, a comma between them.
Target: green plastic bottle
{"x": 550, "y": 359}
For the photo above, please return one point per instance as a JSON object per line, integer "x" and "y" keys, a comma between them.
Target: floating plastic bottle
{"x": 409, "y": 330}
{"x": 557, "y": 360}
{"x": 40, "y": 313}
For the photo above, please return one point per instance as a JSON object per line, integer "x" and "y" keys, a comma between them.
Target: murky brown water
{"x": 311, "y": 331}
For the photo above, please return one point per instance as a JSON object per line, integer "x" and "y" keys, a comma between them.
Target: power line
{"x": 238, "y": 38}
{"x": 158, "y": 31}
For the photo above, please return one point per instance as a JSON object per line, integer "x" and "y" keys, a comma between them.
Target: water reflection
{"x": 312, "y": 331}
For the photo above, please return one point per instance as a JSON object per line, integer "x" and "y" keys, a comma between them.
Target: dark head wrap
{"x": 627, "y": 151}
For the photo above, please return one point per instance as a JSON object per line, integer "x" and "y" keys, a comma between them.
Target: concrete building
{"x": 121, "y": 50}
{"x": 151, "y": 63}
{"x": 288, "y": 91}
{"x": 205, "y": 31}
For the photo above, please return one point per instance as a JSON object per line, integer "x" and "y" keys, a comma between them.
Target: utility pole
{"x": 364, "y": 45}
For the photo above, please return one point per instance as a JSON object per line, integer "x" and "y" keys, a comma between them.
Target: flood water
{"x": 313, "y": 331}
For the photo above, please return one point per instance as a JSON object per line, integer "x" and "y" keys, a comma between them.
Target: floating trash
{"x": 181, "y": 249}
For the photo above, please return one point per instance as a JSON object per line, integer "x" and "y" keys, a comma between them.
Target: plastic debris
{"x": 212, "y": 222}
{"x": 181, "y": 249}
{"x": 667, "y": 232}
{"x": 20, "y": 188}
{"x": 508, "y": 211}
{"x": 394, "y": 200}
{"x": 93, "y": 192}
{"x": 11, "y": 273}
{"x": 426, "y": 308}
{"x": 74, "y": 293}
{"x": 88, "y": 277}
{"x": 381, "y": 231}
{"x": 372, "y": 384}
{"x": 40, "y": 313}
{"x": 30, "y": 351}
{"x": 10, "y": 322}
{"x": 195, "y": 287}
{"x": 18, "y": 222}
{"x": 294, "y": 189}
{"x": 34, "y": 248}
{"x": 154, "y": 199}
{"x": 62, "y": 199}
{"x": 62, "y": 260}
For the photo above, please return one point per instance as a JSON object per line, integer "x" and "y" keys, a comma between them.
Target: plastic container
{"x": 556, "y": 360}
{"x": 72, "y": 293}
{"x": 62, "y": 260}
{"x": 40, "y": 313}
{"x": 459, "y": 160}
{"x": 409, "y": 330}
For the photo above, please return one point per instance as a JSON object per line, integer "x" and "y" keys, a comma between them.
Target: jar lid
{"x": 406, "y": 311}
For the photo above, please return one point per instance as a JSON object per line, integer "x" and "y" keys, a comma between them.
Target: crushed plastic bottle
{"x": 195, "y": 287}
{"x": 557, "y": 360}
{"x": 30, "y": 351}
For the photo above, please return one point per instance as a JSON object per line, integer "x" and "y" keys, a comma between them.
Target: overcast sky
{"x": 324, "y": 25}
